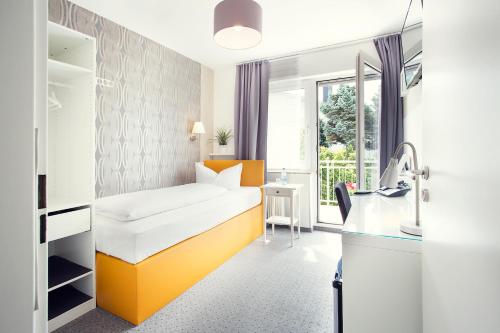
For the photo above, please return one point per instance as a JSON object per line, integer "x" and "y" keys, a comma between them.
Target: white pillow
{"x": 204, "y": 175}
{"x": 229, "y": 178}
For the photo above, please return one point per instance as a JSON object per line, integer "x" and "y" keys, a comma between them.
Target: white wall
{"x": 207, "y": 112}
{"x": 413, "y": 117}
{"x": 461, "y": 223}
{"x": 224, "y": 83}
{"x": 412, "y": 102}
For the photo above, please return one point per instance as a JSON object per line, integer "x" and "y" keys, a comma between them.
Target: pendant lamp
{"x": 238, "y": 24}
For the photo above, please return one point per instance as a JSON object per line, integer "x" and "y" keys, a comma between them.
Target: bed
{"x": 142, "y": 265}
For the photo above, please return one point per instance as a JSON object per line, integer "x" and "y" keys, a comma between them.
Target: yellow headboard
{"x": 252, "y": 174}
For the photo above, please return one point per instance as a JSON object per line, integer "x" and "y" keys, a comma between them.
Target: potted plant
{"x": 222, "y": 137}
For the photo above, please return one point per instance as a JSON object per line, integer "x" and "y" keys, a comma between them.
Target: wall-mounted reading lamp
{"x": 198, "y": 129}
{"x": 390, "y": 179}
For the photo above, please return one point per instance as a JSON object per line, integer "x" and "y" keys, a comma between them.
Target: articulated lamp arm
{"x": 424, "y": 173}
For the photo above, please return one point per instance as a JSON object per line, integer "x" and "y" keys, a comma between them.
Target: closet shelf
{"x": 62, "y": 39}
{"x": 61, "y": 72}
{"x": 65, "y": 299}
{"x": 62, "y": 272}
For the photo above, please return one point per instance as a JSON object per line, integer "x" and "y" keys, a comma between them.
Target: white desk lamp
{"x": 390, "y": 179}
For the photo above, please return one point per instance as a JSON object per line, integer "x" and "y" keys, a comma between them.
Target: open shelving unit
{"x": 70, "y": 177}
{"x": 62, "y": 272}
{"x": 65, "y": 299}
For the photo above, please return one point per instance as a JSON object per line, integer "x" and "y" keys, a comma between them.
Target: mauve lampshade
{"x": 238, "y": 24}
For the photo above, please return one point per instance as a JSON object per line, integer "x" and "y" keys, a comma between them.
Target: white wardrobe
{"x": 47, "y": 105}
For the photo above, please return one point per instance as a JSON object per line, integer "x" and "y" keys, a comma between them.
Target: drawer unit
{"x": 279, "y": 192}
{"x": 64, "y": 224}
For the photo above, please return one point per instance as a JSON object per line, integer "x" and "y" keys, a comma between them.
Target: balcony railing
{"x": 334, "y": 171}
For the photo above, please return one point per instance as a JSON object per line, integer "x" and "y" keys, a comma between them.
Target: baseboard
{"x": 337, "y": 229}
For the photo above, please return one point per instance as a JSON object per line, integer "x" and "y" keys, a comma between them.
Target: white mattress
{"x": 137, "y": 205}
{"x": 134, "y": 241}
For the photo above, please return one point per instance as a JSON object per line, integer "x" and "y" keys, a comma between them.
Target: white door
{"x": 368, "y": 88}
{"x": 22, "y": 297}
{"x": 461, "y": 221}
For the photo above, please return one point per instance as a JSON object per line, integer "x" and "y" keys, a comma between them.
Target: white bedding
{"x": 138, "y": 205}
{"x": 134, "y": 241}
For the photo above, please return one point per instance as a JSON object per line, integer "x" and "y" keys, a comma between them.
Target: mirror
{"x": 411, "y": 39}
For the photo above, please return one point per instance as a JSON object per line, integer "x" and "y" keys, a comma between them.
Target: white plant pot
{"x": 223, "y": 149}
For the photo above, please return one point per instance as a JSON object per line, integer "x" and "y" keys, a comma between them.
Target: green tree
{"x": 345, "y": 154}
{"x": 340, "y": 127}
{"x": 322, "y": 136}
{"x": 340, "y": 110}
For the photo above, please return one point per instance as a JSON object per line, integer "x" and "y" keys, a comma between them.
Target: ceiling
{"x": 186, "y": 26}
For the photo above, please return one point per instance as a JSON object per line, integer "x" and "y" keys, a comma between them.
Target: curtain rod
{"x": 328, "y": 47}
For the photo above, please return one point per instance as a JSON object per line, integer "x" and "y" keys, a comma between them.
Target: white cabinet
{"x": 382, "y": 288}
{"x": 47, "y": 135}
{"x": 70, "y": 174}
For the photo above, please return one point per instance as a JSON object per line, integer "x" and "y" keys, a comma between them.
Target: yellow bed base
{"x": 135, "y": 292}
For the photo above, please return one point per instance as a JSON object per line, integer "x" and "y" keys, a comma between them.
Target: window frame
{"x": 309, "y": 92}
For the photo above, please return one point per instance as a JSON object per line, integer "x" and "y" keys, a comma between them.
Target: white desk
{"x": 289, "y": 191}
{"x": 382, "y": 288}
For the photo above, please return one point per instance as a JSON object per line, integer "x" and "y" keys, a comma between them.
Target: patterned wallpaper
{"x": 143, "y": 120}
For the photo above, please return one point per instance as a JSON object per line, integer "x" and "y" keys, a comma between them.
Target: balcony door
{"x": 348, "y": 135}
{"x": 368, "y": 85}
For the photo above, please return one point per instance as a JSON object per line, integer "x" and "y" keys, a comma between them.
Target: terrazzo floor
{"x": 264, "y": 288}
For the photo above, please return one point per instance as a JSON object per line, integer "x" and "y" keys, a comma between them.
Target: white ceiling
{"x": 186, "y": 26}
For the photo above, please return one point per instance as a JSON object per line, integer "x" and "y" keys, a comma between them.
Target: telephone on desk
{"x": 401, "y": 190}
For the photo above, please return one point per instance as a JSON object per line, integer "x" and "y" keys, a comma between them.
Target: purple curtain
{"x": 391, "y": 113}
{"x": 250, "y": 110}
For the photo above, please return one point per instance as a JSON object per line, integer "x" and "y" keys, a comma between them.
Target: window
{"x": 286, "y": 139}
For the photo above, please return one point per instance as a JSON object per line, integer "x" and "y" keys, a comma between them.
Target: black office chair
{"x": 343, "y": 200}
{"x": 345, "y": 206}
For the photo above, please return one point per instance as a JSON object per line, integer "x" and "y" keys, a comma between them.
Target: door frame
{"x": 318, "y": 187}
{"x": 362, "y": 59}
